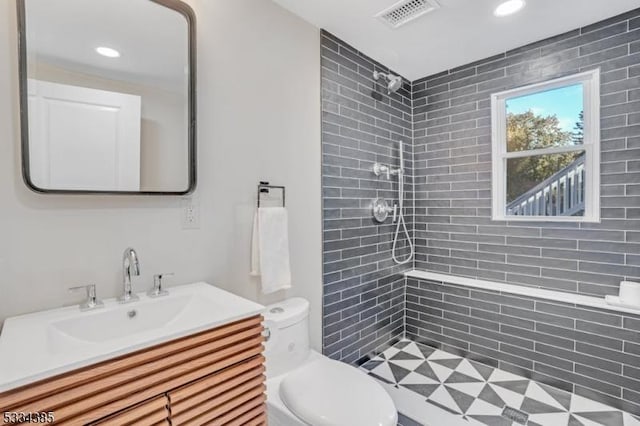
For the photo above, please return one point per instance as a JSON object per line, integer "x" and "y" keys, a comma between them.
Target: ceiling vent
{"x": 405, "y": 11}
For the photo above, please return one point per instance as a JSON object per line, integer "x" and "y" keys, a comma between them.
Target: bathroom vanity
{"x": 192, "y": 357}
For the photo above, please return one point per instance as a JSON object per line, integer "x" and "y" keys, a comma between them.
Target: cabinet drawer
{"x": 235, "y": 394}
{"x": 91, "y": 393}
{"x": 148, "y": 413}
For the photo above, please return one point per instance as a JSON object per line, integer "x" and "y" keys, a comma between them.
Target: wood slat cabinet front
{"x": 151, "y": 412}
{"x": 213, "y": 377}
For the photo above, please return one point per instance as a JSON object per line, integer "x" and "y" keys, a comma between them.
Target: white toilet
{"x": 307, "y": 388}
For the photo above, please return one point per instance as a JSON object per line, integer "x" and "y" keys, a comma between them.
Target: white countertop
{"x": 44, "y": 344}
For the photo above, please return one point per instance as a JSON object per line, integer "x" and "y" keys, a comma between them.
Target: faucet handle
{"x": 92, "y": 301}
{"x": 157, "y": 289}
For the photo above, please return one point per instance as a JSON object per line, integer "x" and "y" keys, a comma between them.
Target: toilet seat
{"x": 330, "y": 393}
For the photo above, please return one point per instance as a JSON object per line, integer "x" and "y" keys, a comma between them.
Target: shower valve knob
{"x": 381, "y": 169}
{"x": 381, "y": 209}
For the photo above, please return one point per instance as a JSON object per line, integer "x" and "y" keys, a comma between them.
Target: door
{"x": 83, "y": 139}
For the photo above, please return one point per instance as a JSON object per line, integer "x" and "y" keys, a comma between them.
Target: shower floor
{"x": 436, "y": 388}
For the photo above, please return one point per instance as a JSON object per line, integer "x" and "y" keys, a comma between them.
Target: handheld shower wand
{"x": 401, "y": 221}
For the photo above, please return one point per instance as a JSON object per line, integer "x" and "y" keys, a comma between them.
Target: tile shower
{"x": 445, "y": 121}
{"x": 361, "y": 122}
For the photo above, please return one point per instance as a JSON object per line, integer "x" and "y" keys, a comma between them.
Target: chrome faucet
{"x": 130, "y": 266}
{"x": 157, "y": 289}
{"x": 91, "y": 302}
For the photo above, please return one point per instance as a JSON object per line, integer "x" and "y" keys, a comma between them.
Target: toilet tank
{"x": 287, "y": 335}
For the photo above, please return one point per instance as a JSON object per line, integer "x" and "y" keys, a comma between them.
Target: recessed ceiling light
{"x": 108, "y": 52}
{"x": 508, "y": 8}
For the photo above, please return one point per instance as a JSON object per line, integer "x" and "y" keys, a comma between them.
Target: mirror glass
{"x": 107, "y": 96}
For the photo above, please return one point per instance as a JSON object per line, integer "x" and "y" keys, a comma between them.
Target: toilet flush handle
{"x": 266, "y": 334}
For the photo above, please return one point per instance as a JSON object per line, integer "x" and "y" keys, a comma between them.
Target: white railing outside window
{"x": 560, "y": 195}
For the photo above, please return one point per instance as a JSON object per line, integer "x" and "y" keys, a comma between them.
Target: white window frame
{"x": 590, "y": 81}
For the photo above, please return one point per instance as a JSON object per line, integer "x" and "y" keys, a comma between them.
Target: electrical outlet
{"x": 190, "y": 214}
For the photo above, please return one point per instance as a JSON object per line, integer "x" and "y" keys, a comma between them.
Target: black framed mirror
{"x": 107, "y": 96}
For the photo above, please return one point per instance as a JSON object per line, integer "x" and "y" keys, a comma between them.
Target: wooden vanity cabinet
{"x": 152, "y": 412}
{"x": 215, "y": 377}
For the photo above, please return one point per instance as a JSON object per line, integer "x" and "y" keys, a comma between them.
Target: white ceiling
{"x": 152, "y": 39}
{"x": 460, "y": 32}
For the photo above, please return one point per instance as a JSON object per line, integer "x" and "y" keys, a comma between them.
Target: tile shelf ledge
{"x": 558, "y": 296}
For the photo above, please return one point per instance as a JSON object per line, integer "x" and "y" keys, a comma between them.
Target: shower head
{"x": 394, "y": 82}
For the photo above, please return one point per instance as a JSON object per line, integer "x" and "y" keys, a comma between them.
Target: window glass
{"x": 545, "y": 119}
{"x": 546, "y": 185}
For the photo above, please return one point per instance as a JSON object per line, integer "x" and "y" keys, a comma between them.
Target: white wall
{"x": 259, "y": 118}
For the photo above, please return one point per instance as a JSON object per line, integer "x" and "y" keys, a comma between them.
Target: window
{"x": 546, "y": 151}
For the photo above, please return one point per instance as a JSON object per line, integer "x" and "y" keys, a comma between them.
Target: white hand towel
{"x": 270, "y": 249}
{"x": 255, "y": 248}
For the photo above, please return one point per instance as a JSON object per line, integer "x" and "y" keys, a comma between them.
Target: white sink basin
{"x": 44, "y": 344}
{"x": 122, "y": 320}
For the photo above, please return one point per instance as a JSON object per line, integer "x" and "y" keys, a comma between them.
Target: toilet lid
{"x": 330, "y": 393}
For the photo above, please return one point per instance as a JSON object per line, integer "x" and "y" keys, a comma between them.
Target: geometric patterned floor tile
{"x": 462, "y": 399}
{"x": 426, "y": 370}
{"x": 609, "y": 418}
{"x": 402, "y": 355}
{"x": 563, "y": 398}
{"x": 465, "y": 367}
{"x": 425, "y": 389}
{"x": 438, "y": 354}
{"x": 537, "y": 393}
{"x": 398, "y": 372}
{"x": 478, "y": 393}
{"x": 458, "y": 377}
{"x": 383, "y": 371}
{"x": 449, "y": 363}
{"x": 415, "y": 378}
{"x": 510, "y": 398}
{"x": 443, "y": 397}
{"x": 586, "y": 422}
{"x": 441, "y": 372}
{"x": 389, "y": 353}
{"x": 580, "y": 404}
{"x": 427, "y": 351}
{"x": 517, "y": 386}
{"x": 484, "y": 370}
{"x": 471, "y": 389}
{"x": 630, "y": 420}
{"x": 483, "y": 408}
{"x": 413, "y": 349}
{"x": 402, "y": 344}
{"x": 371, "y": 364}
{"x": 489, "y": 395}
{"x": 492, "y": 420}
{"x": 532, "y": 406}
{"x": 549, "y": 419}
{"x": 409, "y": 364}
{"x": 502, "y": 376}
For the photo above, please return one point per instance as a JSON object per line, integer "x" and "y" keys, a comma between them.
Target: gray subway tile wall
{"x": 594, "y": 353}
{"x": 452, "y": 159}
{"x": 364, "y": 290}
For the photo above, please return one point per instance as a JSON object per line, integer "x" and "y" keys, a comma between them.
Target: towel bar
{"x": 263, "y": 188}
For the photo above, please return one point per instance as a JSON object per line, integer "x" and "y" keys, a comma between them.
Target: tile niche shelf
{"x": 558, "y": 296}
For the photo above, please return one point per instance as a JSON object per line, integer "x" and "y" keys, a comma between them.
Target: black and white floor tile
{"x": 480, "y": 395}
